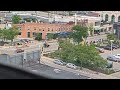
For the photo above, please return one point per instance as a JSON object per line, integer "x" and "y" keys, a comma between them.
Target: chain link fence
{"x": 31, "y": 56}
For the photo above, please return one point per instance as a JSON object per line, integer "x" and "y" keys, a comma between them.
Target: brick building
{"x": 29, "y": 30}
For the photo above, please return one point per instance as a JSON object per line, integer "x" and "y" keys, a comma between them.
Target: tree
{"x": 50, "y": 36}
{"x": 38, "y": 36}
{"x": 16, "y": 19}
{"x": 91, "y": 29}
{"x": 112, "y": 37}
{"x": 79, "y": 33}
{"x": 11, "y": 33}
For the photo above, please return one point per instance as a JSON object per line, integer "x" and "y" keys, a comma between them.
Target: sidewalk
{"x": 87, "y": 72}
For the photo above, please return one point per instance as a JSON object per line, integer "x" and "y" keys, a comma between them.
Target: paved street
{"x": 55, "y": 73}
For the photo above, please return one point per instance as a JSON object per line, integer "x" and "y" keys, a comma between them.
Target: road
{"x": 55, "y": 73}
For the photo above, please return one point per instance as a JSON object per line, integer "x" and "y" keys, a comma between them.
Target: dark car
{"x": 116, "y": 46}
{"x": 108, "y": 48}
{"x": 19, "y": 50}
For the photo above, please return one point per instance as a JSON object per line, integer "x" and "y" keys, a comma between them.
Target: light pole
{"x": 111, "y": 45}
{"x": 75, "y": 19}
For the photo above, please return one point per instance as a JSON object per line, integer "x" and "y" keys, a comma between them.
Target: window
{"x": 48, "y": 29}
{"x": 97, "y": 23}
{"x": 59, "y": 29}
{"x": 28, "y": 29}
{"x": 19, "y": 28}
{"x": 39, "y": 29}
{"x": 34, "y": 28}
{"x": 52, "y": 29}
{"x": 28, "y": 34}
{"x": 43, "y": 29}
{"x": 34, "y": 34}
{"x": 19, "y": 33}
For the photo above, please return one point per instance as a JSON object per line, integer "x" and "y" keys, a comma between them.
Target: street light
{"x": 111, "y": 45}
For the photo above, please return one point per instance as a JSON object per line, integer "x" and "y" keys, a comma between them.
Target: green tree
{"x": 38, "y": 36}
{"x": 16, "y": 19}
{"x": 112, "y": 37}
{"x": 12, "y": 33}
{"x": 81, "y": 55}
{"x": 79, "y": 32}
{"x": 91, "y": 29}
{"x": 50, "y": 36}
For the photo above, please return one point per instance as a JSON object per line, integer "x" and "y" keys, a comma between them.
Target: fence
{"x": 28, "y": 58}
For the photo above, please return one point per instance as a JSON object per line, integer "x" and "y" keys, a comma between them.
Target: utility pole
{"x": 75, "y": 19}
{"x": 111, "y": 45}
{"x": 36, "y": 15}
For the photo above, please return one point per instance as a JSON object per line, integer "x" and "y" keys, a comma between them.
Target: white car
{"x": 70, "y": 65}
{"x": 59, "y": 62}
{"x": 117, "y": 56}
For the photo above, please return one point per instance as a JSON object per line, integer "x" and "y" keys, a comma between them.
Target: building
{"x": 116, "y": 28}
{"x": 110, "y": 16}
{"x": 2, "y": 26}
{"x": 29, "y": 30}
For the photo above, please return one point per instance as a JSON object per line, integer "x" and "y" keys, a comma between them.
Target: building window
{"x": 19, "y": 33}
{"x": 43, "y": 29}
{"x": 52, "y": 29}
{"x": 19, "y": 28}
{"x": 28, "y": 29}
{"x": 59, "y": 29}
{"x": 34, "y": 34}
{"x": 48, "y": 29}
{"x": 28, "y": 34}
{"x": 97, "y": 23}
{"x": 39, "y": 29}
{"x": 34, "y": 28}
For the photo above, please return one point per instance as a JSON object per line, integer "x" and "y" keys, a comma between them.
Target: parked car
{"x": 59, "y": 62}
{"x": 100, "y": 49}
{"x": 108, "y": 48}
{"x": 115, "y": 46}
{"x": 113, "y": 58}
{"x": 19, "y": 50}
{"x": 70, "y": 65}
{"x": 117, "y": 56}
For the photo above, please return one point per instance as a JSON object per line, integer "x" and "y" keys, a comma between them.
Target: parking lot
{"x": 116, "y": 65}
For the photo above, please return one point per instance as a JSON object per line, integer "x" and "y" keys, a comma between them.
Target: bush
{"x": 38, "y": 37}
